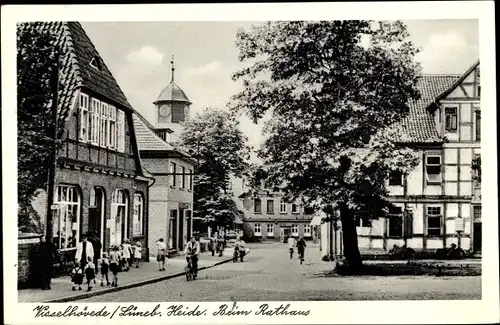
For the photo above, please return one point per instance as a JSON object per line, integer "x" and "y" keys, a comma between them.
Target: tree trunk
{"x": 350, "y": 240}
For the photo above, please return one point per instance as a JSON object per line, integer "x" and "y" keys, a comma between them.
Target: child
{"x": 162, "y": 254}
{"x": 77, "y": 277}
{"x": 114, "y": 262}
{"x": 125, "y": 254}
{"x": 104, "y": 268}
{"x": 137, "y": 253}
{"x": 90, "y": 272}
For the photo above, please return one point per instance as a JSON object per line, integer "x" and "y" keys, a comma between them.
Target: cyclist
{"x": 301, "y": 246}
{"x": 192, "y": 251}
{"x": 291, "y": 244}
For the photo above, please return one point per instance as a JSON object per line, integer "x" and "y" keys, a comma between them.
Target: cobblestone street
{"x": 269, "y": 274}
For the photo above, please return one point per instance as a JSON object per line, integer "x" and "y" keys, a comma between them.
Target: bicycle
{"x": 189, "y": 270}
{"x": 301, "y": 256}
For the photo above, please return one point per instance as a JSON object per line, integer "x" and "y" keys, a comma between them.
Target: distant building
{"x": 266, "y": 216}
{"x": 99, "y": 182}
{"x": 171, "y": 194}
{"x": 439, "y": 201}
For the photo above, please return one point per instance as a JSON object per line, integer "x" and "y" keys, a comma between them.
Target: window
{"x": 120, "y": 130}
{"x": 173, "y": 175}
{"x": 66, "y": 221}
{"x": 178, "y": 114}
{"x": 434, "y": 221}
{"x": 282, "y": 207}
{"x": 476, "y": 212}
{"x": 270, "y": 230}
{"x": 183, "y": 177}
{"x": 112, "y": 127}
{"x": 295, "y": 230}
{"x": 295, "y": 208}
{"x": 478, "y": 125}
{"x": 94, "y": 117}
{"x": 396, "y": 178}
{"x": 270, "y": 206}
{"x": 138, "y": 214}
{"x": 103, "y": 128}
{"x": 257, "y": 230}
{"x": 84, "y": 117}
{"x": 257, "y": 206}
{"x": 433, "y": 168}
{"x": 395, "y": 220}
{"x": 96, "y": 63}
{"x": 190, "y": 179}
{"x": 450, "y": 119}
{"x": 307, "y": 230}
{"x": 119, "y": 217}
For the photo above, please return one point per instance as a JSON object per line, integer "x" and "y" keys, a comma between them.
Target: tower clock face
{"x": 164, "y": 111}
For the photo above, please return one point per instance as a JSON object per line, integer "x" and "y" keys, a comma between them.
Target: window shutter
{"x": 408, "y": 222}
{"x": 120, "y": 130}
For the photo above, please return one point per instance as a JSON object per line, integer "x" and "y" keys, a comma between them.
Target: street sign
{"x": 459, "y": 224}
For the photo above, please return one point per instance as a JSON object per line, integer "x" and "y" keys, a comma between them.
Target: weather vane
{"x": 172, "y": 63}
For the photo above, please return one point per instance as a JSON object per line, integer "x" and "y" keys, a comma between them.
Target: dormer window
{"x": 96, "y": 63}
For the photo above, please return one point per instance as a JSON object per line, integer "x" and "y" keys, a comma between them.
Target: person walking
{"x": 46, "y": 255}
{"x": 137, "y": 253}
{"x": 84, "y": 250}
{"x": 93, "y": 238}
{"x": 291, "y": 245}
{"x": 126, "y": 254}
{"x": 162, "y": 254}
{"x": 241, "y": 247}
{"x": 114, "y": 264}
{"x": 301, "y": 247}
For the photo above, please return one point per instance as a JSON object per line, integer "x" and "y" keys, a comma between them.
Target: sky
{"x": 139, "y": 54}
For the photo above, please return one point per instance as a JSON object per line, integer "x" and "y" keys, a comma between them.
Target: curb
{"x": 130, "y": 285}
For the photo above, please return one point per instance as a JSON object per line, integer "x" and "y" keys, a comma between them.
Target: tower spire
{"x": 173, "y": 69}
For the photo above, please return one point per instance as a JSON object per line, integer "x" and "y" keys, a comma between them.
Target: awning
{"x": 316, "y": 221}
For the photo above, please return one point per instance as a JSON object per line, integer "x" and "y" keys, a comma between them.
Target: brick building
{"x": 99, "y": 182}
{"x": 268, "y": 217}
{"x": 171, "y": 194}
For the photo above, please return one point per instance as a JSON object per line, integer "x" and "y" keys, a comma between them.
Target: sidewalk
{"x": 147, "y": 273}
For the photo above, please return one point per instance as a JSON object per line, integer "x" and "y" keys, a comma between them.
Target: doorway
{"x": 285, "y": 232}
{"x": 97, "y": 210}
{"x": 477, "y": 236}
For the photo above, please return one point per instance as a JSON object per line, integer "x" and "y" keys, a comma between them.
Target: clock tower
{"x": 172, "y": 107}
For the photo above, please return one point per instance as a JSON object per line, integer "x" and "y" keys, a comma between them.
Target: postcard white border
{"x": 372, "y": 312}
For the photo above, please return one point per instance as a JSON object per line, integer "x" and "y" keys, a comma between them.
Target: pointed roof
{"x": 172, "y": 93}
{"x": 80, "y": 66}
{"x": 457, "y": 82}
{"x": 419, "y": 126}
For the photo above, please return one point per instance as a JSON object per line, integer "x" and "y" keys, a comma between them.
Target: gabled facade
{"x": 438, "y": 203}
{"x": 99, "y": 182}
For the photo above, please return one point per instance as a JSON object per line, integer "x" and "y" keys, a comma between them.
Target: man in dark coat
{"x": 46, "y": 255}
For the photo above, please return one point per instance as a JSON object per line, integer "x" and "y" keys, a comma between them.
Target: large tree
{"x": 332, "y": 89}
{"x": 215, "y": 140}
{"x": 37, "y": 57}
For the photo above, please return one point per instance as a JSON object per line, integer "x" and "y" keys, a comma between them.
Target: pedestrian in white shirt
{"x": 291, "y": 245}
{"x": 162, "y": 254}
{"x": 192, "y": 251}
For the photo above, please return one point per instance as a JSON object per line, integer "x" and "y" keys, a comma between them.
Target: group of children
{"x": 119, "y": 258}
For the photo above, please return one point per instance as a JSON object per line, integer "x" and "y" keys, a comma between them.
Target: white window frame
{"x": 307, "y": 231}
{"x": 68, "y": 200}
{"x": 257, "y": 230}
{"x": 103, "y": 131}
{"x": 255, "y": 205}
{"x": 449, "y": 130}
{"x": 111, "y": 141}
{"x": 119, "y": 202}
{"x": 433, "y": 215}
{"x": 270, "y": 230}
{"x": 94, "y": 121}
{"x": 295, "y": 229}
{"x": 267, "y": 206}
{"x": 120, "y": 130}
{"x": 84, "y": 117}
{"x": 138, "y": 216}
{"x": 283, "y": 207}
{"x": 440, "y": 179}
{"x": 296, "y": 210}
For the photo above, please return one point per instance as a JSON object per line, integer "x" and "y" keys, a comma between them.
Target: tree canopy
{"x": 215, "y": 140}
{"x": 333, "y": 89}
{"x": 36, "y": 87}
